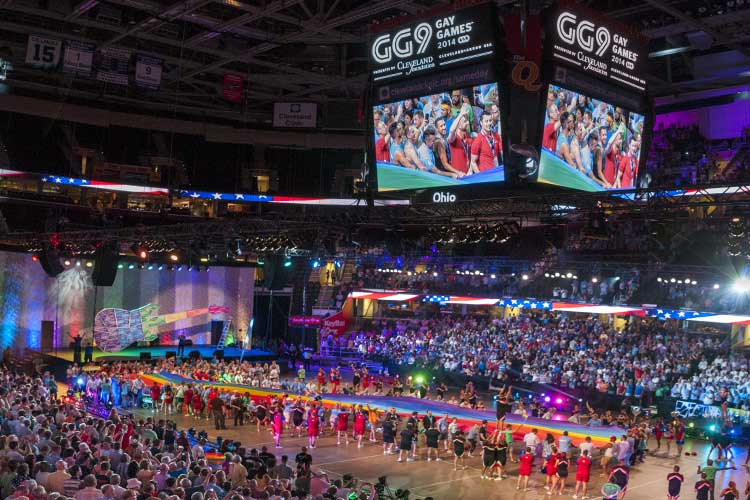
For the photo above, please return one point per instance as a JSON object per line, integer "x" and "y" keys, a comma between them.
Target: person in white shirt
{"x": 197, "y": 451}
{"x": 531, "y": 440}
{"x": 587, "y": 445}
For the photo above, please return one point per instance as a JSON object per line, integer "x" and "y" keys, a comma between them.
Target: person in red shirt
{"x": 197, "y": 405}
{"x": 313, "y": 425}
{"x": 524, "y": 469}
{"x": 459, "y": 143}
{"x": 583, "y": 472}
{"x": 360, "y": 423}
{"x": 549, "y": 137}
{"x": 487, "y": 148}
{"x": 551, "y": 469}
{"x": 189, "y": 400}
{"x": 611, "y": 158}
{"x": 628, "y": 166}
{"x": 342, "y": 426}
{"x": 382, "y": 148}
{"x": 155, "y": 397}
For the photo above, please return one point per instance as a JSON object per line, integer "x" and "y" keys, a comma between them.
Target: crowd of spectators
{"x": 638, "y": 359}
{"x": 680, "y": 156}
{"x": 54, "y": 449}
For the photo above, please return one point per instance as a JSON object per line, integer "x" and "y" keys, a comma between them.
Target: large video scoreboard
{"x": 435, "y": 105}
{"x": 446, "y": 111}
{"x": 596, "y": 116}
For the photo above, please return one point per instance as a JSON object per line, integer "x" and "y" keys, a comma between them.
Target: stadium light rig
{"x": 741, "y": 285}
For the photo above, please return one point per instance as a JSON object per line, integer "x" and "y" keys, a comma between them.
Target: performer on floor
{"x": 488, "y": 457}
{"x": 261, "y": 415}
{"x": 313, "y": 425}
{"x": 342, "y": 425}
{"x": 583, "y": 473}
{"x": 277, "y": 424}
{"x": 524, "y": 469}
{"x": 360, "y": 423}
{"x": 674, "y": 483}
{"x": 298, "y": 417}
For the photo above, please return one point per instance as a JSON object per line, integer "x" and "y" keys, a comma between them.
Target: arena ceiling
{"x": 314, "y": 50}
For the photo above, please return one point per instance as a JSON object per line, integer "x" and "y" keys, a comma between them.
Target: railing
{"x": 339, "y": 352}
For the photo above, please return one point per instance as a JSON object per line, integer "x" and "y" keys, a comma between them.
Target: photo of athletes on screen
{"x": 589, "y": 144}
{"x": 444, "y": 139}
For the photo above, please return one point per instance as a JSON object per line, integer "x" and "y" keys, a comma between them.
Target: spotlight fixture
{"x": 174, "y": 257}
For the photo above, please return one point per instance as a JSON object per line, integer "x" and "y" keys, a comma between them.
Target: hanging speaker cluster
{"x": 105, "y": 265}
{"x": 50, "y": 261}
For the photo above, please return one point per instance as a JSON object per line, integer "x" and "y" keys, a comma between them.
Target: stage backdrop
{"x": 28, "y": 296}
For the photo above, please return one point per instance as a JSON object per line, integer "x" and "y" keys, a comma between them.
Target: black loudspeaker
{"x": 219, "y": 353}
{"x": 276, "y": 275}
{"x": 194, "y": 355}
{"x": 170, "y": 354}
{"x": 216, "y": 327}
{"x": 105, "y": 266}
{"x": 48, "y": 335}
{"x": 145, "y": 356}
{"x": 50, "y": 262}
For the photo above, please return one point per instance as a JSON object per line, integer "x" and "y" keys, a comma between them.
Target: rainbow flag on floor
{"x": 404, "y": 406}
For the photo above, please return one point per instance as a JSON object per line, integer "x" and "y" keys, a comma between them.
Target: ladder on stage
{"x": 223, "y": 337}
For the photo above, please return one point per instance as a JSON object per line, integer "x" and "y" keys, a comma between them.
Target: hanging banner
{"x": 148, "y": 72}
{"x": 78, "y": 58}
{"x": 232, "y": 90}
{"x": 336, "y": 324}
{"x": 112, "y": 65}
{"x": 43, "y": 52}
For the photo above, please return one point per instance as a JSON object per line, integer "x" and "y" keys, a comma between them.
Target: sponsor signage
{"x": 596, "y": 46}
{"x": 443, "y": 197}
{"x": 295, "y": 114}
{"x": 336, "y": 324}
{"x": 465, "y": 76}
{"x": 306, "y": 321}
{"x": 433, "y": 44}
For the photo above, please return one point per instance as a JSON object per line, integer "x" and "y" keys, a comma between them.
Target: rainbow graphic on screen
{"x": 116, "y": 329}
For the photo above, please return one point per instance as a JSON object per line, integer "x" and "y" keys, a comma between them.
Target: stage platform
{"x": 159, "y": 352}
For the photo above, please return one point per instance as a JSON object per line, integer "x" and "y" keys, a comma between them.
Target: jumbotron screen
{"x": 589, "y": 144}
{"x": 450, "y": 138}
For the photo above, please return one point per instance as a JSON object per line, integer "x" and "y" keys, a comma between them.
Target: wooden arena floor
{"x": 439, "y": 480}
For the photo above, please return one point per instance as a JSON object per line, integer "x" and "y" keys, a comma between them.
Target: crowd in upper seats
{"x": 637, "y": 359}
{"x": 680, "y": 156}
